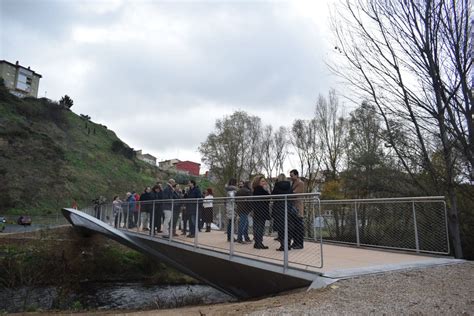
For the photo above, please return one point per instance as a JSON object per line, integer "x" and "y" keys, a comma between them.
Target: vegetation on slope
{"x": 49, "y": 156}
{"x": 63, "y": 257}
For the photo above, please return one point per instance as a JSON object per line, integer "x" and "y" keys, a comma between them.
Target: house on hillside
{"x": 20, "y": 81}
{"x": 186, "y": 167}
{"x": 168, "y": 164}
{"x": 189, "y": 166}
{"x": 146, "y": 158}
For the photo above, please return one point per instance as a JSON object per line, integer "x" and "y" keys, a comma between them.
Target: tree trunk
{"x": 453, "y": 224}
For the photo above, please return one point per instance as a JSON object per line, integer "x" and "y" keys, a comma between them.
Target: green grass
{"x": 49, "y": 158}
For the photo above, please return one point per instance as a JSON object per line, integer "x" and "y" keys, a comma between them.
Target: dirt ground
{"x": 441, "y": 290}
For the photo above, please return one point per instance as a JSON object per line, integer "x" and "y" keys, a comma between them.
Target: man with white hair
{"x": 167, "y": 206}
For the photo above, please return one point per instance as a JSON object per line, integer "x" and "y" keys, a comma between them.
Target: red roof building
{"x": 190, "y": 167}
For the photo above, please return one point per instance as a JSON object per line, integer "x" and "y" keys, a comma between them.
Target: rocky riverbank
{"x": 442, "y": 290}
{"x": 59, "y": 269}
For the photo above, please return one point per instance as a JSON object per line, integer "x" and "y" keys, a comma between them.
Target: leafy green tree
{"x": 366, "y": 159}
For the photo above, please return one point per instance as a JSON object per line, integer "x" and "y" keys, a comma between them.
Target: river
{"x": 109, "y": 296}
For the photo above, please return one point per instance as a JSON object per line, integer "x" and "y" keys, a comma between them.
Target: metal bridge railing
{"x": 288, "y": 230}
{"x": 417, "y": 224}
{"x": 252, "y": 226}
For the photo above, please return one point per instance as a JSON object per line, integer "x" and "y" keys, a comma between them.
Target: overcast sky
{"x": 159, "y": 73}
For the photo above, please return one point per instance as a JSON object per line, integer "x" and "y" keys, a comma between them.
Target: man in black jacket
{"x": 193, "y": 193}
{"x": 146, "y": 205}
{"x": 157, "y": 192}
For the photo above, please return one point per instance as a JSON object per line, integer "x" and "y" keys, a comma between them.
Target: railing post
{"x": 220, "y": 219}
{"x": 232, "y": 224}
{"x": 139, "y": 219}
{"x": 446, "y": 226}
{"x": 170, "y": 231}
{"x": 357, "y": 224}
{"x": 196, "y": 224}
{"x": 312, "y": 202}
{"x": 152, "y": 224}
{"x": 320, "y": 233}
{"x": 417, "y": 244}
{"x": 129, "y": 215}
{"x": 108, "y": 215}
{"x": 285, "y": 245}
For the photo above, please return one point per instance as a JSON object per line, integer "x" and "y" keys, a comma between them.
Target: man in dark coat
{"x": 157, "y": 192}
{"x": 261, "y": 210}
{"x": 146, "y": 205}
{"x": 282, "y": 186}
{"x": 193, "y": 193}
{"x": 244, "y": 208}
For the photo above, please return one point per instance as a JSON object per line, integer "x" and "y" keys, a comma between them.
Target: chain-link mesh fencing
{"x": 253, "y": 226}
{"x": 410, "y": 224}
{"x": 285, "y": 229}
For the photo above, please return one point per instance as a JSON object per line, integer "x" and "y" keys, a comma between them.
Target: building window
{"x": 24, "y": 80}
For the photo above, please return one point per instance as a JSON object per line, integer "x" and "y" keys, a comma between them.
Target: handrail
{"x": 399, "y": 199}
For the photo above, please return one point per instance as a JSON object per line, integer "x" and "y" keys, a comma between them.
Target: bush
{"x": 120, "y": 148}
{"x": 66, "y": 102}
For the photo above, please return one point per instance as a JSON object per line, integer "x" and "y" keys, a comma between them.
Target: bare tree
{"x": 269, "y": 152}
{"x": 233, "y": 149}
{"x": 331, "y": 127}
{"x": 274, "y": 152}
{"x": 309, "y": 148}
{"x": 280, "y": 139}
{"x": 268, "y": 148}
{"x": 410, "y": 59}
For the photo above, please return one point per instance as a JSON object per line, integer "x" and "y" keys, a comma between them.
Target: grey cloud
{"x": 260, "y": 67}
{"x": 52, "y": 19}
{"x": 234, "y": 55}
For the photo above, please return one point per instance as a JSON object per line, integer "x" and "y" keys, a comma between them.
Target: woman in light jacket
{"x": 207, "y": 214}
{"x": 117, "y": 210}
{"x": 231, "y": 189}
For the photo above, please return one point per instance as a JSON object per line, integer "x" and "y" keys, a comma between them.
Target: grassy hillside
{"x": 49, "y": 156}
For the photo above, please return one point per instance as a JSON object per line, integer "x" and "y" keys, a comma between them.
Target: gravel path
{"x": 442, "y": 290}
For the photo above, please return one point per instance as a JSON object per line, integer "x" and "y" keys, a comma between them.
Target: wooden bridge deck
{"x": 338, "y": 260}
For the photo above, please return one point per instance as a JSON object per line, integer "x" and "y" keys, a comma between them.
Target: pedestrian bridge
{"x": 342, "y": 239}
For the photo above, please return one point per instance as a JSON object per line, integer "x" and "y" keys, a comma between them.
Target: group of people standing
{"x": 159, "y": 208}
{"x": 261, "y": 210}
{"x": 196, "y": 210}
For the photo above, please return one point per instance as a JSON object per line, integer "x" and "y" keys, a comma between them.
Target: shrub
{"x": 66, "y": 101}
{"x": 120, "y": 148}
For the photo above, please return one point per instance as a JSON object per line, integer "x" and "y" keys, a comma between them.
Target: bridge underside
{"x": 238, "y": 276}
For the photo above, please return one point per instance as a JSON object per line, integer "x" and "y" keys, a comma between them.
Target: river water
{"x": 109, "y": 296}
